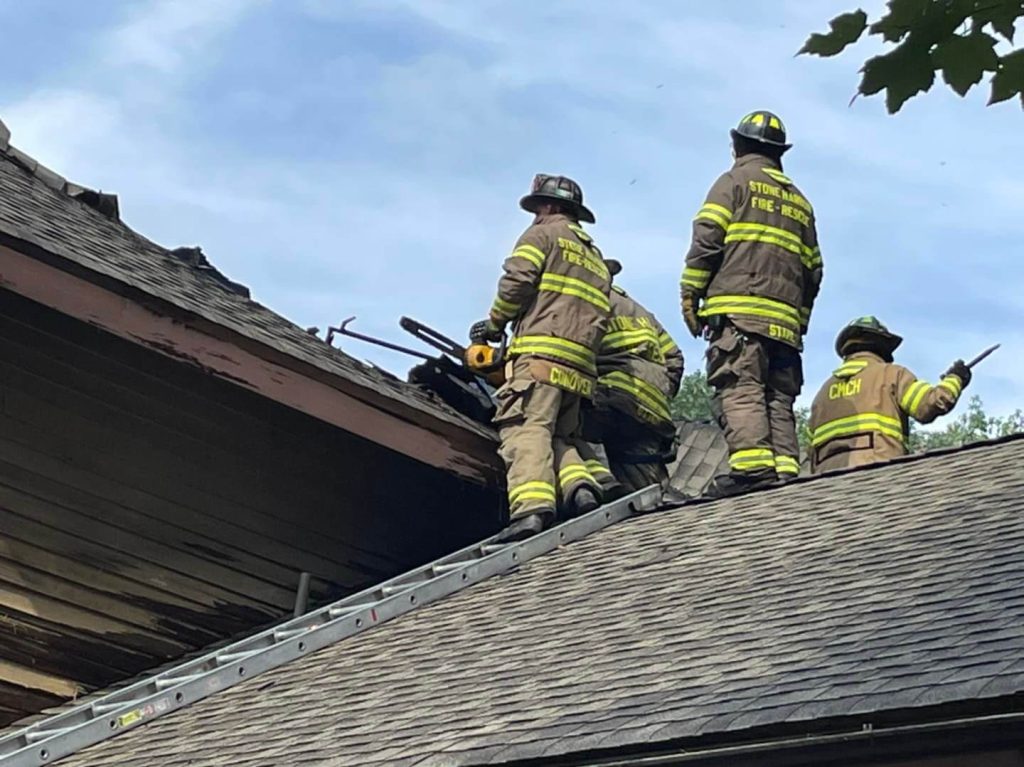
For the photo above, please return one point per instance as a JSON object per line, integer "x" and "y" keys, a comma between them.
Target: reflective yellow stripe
{"x": 778, "y": 175}
{"x": 666, "y": 344}
{"x": 805, "y": 314}
{"x": 748, "y": 231}
{"x": 503, "y": 308}
{"x": 716, "y": 214}
{"x": 530, "y": 253}
{"x": 532, "y": 491}
{"x": 755, "y": 458}
{"x": 649, "y": 396}
{"x": 558, "y": 348}
{"x": 582, "y": 233}
{"x": 597, "y": 468}
{"x": 570, "y": 286}
{"x": 913, "y": 396}
{"x": 852, "y": 367}
{"x": 785, "y": 464}
{"x": 952, "y": 384}
{"x": 858, "y": 424}
{"x": 696, "y": 278}
{"x": 624, "y": 339}
{"x": 752, "y": 305}
{"x": 574, "y": 472}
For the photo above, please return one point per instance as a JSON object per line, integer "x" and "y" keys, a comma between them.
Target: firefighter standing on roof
{"x": 555, "y": 292}
{"x": 862, "y": 413}
{"x": 639, "y": 369}
{"x": 751, "y": 277}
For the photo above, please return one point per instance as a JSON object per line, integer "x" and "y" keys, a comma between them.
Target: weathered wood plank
{"x": 19, "y": 600}
{"x": 43, "y": 584}
{"x": 261, "y": 594}
{"x": 144, "y": 582}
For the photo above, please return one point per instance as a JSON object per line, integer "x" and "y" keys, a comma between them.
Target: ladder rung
{"x": 490, "y": 548}
{"x": 389, "y": 591}
{"x": 163, "y": 684}
{"x": 447, "y": 568}
{"x": 337, "y": 612}
{"x": 38, "y": 735}
{"x": 231, "y": 657}
{"x": 106, "y": 708}
{"x": 282, "y": 634}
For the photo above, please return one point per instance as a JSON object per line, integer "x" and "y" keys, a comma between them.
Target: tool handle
{"x": 983, "y": 355}
{"x": 430, "y": 336}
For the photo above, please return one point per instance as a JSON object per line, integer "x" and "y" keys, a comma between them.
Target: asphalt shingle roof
{"x": 40, "y": 208}
{"x": 893, "y": 588}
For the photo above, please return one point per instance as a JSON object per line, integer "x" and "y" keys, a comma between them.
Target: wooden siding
{"x": 148, "y": 509}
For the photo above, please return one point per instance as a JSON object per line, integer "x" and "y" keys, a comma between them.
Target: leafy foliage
{"x": 973, "y": 425}
{"x": 947, "y": 36}
{"x": 693, "y": 402}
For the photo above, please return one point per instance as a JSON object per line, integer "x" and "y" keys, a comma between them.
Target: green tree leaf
{"x": 1009, "y": 80}
{"x": 693, "y": 402}
{"x": 964, "y": 59}
{"x": 903, "y": 15}
{"x": 903, "y": 72}
{"x": 1001, "y": 14}
{"x": 845, "y": 29}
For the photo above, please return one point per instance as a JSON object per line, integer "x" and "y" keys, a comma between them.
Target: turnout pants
{"x": 545, "y": 458}
{"x": 756, "y": 381}
{"x": 636, "y": 452}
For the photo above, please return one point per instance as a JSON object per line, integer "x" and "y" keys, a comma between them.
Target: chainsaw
{"x": 464, "y": 377}
{"x": 483, "y": 360}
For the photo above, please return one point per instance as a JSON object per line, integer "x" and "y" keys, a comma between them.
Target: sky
{"x": 366, "y": 157}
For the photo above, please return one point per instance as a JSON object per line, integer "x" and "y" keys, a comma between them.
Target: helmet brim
{"x": 885, "y": 343}
{"x": 781, "y": 144}
{"x": 532, "y": 202}
{"x": 614, "y": 266}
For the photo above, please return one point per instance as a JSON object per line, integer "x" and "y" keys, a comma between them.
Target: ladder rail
{"x": 89, "y": 723}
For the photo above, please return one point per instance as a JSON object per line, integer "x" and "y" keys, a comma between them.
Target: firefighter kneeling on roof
{"x": 751, "y": 277}
{"x": 555, "y": 292}
{"x": 861, "y": 414}
{"x": 639, "y": 368}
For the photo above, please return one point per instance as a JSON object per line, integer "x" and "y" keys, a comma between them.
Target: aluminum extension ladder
{"x": 106, "y": 717}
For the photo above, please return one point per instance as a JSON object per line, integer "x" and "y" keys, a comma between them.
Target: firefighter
{"x": 554, "y": 291}
{"x": 862, "y": 413}
{"x": 639, "y": 368}
{"x": 750, "y": 280}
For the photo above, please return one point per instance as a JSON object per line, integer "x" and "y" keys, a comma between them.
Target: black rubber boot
{"x": 523, "y": 527}
{"x": 785, "y": 479}
{"x": 584, "y": 500}
{"x": 726, "y": 485}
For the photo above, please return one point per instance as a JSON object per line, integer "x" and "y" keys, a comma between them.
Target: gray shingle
{"x": 786, "y": 606}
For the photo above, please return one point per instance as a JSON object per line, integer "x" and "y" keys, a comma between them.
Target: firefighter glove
{"x": 961, "y": 371}
{"x": 693, "y": 322}
{"x": 485, "y": 330}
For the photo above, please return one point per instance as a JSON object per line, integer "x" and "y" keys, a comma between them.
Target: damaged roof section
{"x": 44, "y": 215}
{"x": 891, "y": 594}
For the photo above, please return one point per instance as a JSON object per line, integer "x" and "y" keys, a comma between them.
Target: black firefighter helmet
{"x": 562, "y": 189}
{"x": 764, "y": 127}
{"x": 867, "y": 334}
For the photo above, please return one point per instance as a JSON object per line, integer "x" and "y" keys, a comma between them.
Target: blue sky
{"x": 351, "y": 157}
